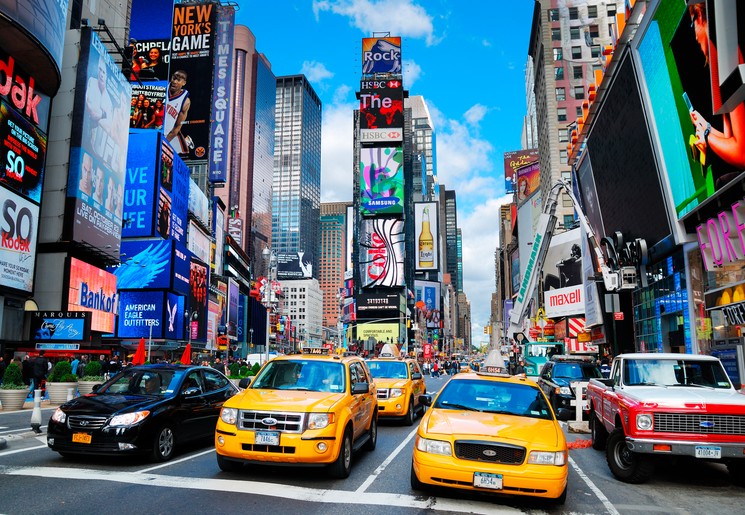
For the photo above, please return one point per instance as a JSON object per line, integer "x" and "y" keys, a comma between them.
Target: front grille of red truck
{"x": 701, "y": 424}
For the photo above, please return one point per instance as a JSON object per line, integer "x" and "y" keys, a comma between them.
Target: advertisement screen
{"x": 19, "y": 226}
{"x": 22, "y": 149}
{"x": 150, "y": 33}
{"x": 174, "y": 319}
{"x": 92, "y": 289}
{"x": 381, "y": 180}
{"x": 381, "y": 332}
{"x": 232, "y": 325}
{"x": 516, "y": 273}
{"x": 173, "y": 198}
{"x": 427, "y": 295}
{"x": 350, "y": 238}
{"x": 677, "y": 57}
{"x": 198, "y": 297}
{"x": 295, "y": 265}
{"x": 146, "y": 264}
{"x": 527, "y": 223}
{"x": 66, "y": 326}
{"x": 381, "y": 55}
{"x": 528, "y": 181}
{"x": 514, "y": 160}
{"x": 382, "y": 107}
{"x": 139, "y": 311}
{"x": 221, "y": 103}
{"x": 199, "y": 206}
{"x": 562, "y": 271}
{"x": 181, "y": 260}
{"x": 142, "y": 161}
{"x": 148, "y": 105}
{"x": 199, "y": 243}
{"x": 381, "y": 252}
{"x": 98, "y": 147}
{"x": 426, "y": 236}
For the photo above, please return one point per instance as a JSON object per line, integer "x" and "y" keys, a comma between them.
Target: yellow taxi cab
{"x": 399, "y": 382}
{"x": 314, "y": 408}
{"x": 491, "y": 432}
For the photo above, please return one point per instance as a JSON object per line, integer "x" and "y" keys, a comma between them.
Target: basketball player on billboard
{"x": 177, "y": 108}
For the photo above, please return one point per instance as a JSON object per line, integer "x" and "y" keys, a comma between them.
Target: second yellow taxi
{"x": 399, "y": 383}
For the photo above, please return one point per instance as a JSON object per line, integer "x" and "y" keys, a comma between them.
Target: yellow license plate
{"x": 81, "y": 438}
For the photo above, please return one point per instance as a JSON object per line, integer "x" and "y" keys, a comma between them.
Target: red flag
{"x": 186, "y": 356}
{"x": 139, "y": 357}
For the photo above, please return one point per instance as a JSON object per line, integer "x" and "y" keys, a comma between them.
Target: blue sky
{"x": 466, "y": 58}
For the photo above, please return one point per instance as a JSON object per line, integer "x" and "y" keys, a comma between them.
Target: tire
{"x": 598, "y": 432}
{"x": 415, "y": 483}
{"x": 373, "y": 434}
{"x": 627, "y": 466}
{"x": 342, "y": 467}
{"x": 227, "y": 465}
{"x": 737, "y": 472}
{"x": 164, "y": 444}
{"x": 409, "y": 418}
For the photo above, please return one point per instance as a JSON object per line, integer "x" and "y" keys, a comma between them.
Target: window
{"x": 576, "y": 52}
{"x": 568, "y": 220}
{"x": 592, "y": 11}
{"x": 579, "y": 92}
{"x": 563, "y": 157}
{"x": 611, "y": 9}
{"x": 577, "y": 72}
{"x": 573, "y": 13}
{"x": 559, "y": 73}
{"x": 595, "y": 50}
{"x": 556, "y": 34}
{"x": 574, "y": 33}
{"x": 563, "y": 135}
{"x": 558, "y": 54}
{"x": 561, "y": 114}
{"x": 553, "y": 15}
{"x": 594, "y": 32}
{"x": 566, "y": 177}
{"x": 579, "y": 111}
{"x": 566, "y": 201}
{"x": 561, "y": 94}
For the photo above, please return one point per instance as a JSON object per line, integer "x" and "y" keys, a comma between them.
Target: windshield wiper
{"x": 459, "y": 406}
{"x": 694, "y": 385}
{"x": 648, "y": 384}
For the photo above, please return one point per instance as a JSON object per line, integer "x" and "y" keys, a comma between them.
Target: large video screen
{"x": 19, "y": 227}
{"x": 93, "y": 289}
{"x": 381, "y": 252}
{"x": 381, "y": 55}
{"x": 426, "y": 236}
{"x": 381, "y": 180}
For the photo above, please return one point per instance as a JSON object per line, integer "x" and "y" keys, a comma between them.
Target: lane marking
{"x": 25, "y": 430}
{"x": 603, "y": 499}
{"x": 280, "y": 491}
{"x": 372, "y": 477}
{"x": 16, "y": 451}
{"x": 169, "y": 463}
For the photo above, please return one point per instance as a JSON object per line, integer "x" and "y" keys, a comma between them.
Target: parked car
{"x": 557, "y": 376}
{"x": 147, "y": 409}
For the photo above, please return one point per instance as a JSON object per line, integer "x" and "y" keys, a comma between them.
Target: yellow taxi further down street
{"x": 399, "y": 383}
{"x": 313, "y": 408}
{"x": 491, "y": 432}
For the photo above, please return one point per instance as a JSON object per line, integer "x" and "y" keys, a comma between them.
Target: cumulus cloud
{"x": 337, "y": 148}
{"x": 411, "y": 72}
{"x": 475, "y": 114}
{"x": 315, "y": 71}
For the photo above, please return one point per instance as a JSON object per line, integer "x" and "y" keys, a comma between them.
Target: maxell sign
{"x": 564, "y": 301}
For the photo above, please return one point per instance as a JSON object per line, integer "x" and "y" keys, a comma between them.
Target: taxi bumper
{"x": 394, "y": 407}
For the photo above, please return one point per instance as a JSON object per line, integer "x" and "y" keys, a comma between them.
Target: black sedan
{"x": 146, "y": 409}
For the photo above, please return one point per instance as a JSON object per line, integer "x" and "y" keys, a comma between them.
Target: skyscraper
{"x": 333, "y": 257}
{"x": 296, "y": 195}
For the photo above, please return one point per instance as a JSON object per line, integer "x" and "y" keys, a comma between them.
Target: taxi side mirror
{"x": 416, "y": 376}
{"x": 244, "y": 383}
{"x": 359, "y": 388}
{"x": 425, "y": 400}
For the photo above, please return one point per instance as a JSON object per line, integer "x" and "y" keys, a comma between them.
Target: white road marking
{"x": 267, "y": 489}
{"x": 603, "y": 499}
{"x": 16, "y": 451}
{"x": 372, "y": 477}
{"x": 169, "y": 463}
{"x": 24, "y": 430}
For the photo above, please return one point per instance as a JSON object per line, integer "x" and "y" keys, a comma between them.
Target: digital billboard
{"x": 381, "y": 55}
{"x": 19, "y": 227}
{"x": 381, "y": 252}
{"x": 92, "y": 289}
{"x": 379, "y": 305}
{"x": 427, "y": 302}
{"x": 98, "y": 148}
{"x": 222, "y": 80}
{"x": 147, "y": 264}
{"x": 350, "y": 239}
{"x": 188, "y": 106}
{"x": 173, "y": 322}
{"x": 295, "y": 265}
{"x": 516, "y": 274}
{"x": 199, "y": 205}
{"x": 60, "y": 326}
{"x": 23, "y": 147}
{"x": 30, "y": 103}
{"x": 232, "y": 322}
{"x": 562, "y": 275}
{"x": 426, "y": 236}
{"x": 528, "y": 181}
{"x": 381, "y": 107}
{"x": 527, "y": 223}
{"x": 139, "y": 313}
{"x": 198, "y": 298}
{"x": 148, "y": 105}
{"x": 514, "y": 160}
{"x": 142, "y": 162}
{"x": 173, "y": 195}
{"x": 198, "y": 242}
{"x": 381, "y": 180}
{"x": 702, "y": 149}
{"x": 381, "y": 332}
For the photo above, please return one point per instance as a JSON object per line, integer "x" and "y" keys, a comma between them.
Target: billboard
{"x": 31, "y": 103}
{"x": 223, "y": 76}
{"x": 516, "y": 273}
{"x": 142, "y": 159}
{"x": 380, "y": 332}
{"x": 426, "y": 236}
{"x": 381, "y": 108}
{"x": 427, "y": 302}
{"x": 295, "y": 265}
{"x": 64, "y": 326}
{"x": 148, "y": 105}
{"x": 350, "y": 239}
{"x": 98, "y": 148}
{"x": 381, "y": 181}
{"x": 23, "y": 147}
{"x": 528, "y": 181}
{"x": 199, "y": 205}
{"x": 140, "y": 312}
{"x": 527, "y": 223}
{"x": 173, "y": 195}
{"x": 232, "y": 322}
{"x": 381, "y": 55}
{"x": 381, "y": 252}
{"x": 514, "y": 160}
{"x": 173, "y": 322}
{"x": 198, "y": 242}
{"x": 188, "y": 106}
{"x": 92, "y": 289}
{"x": 19, "y": 227}
{"x": 198, "y": 297}
{"x": 702, "y": 149}
{"x": 562, "y": 275}
{"x": 152, "y": 264}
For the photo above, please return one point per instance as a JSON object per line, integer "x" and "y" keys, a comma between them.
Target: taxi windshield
{"x": 310, "y": 375}
{"x": 387, "y": 369}
{"x": 506, "y": 398}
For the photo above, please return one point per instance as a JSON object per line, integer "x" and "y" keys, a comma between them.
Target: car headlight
{"x": 229, "y": 415}
{"x": 396, "y": 392}
{"x": 434, "y": 446}
{"x": 547, "y": 458}
{"x": 59, "y": 416}
{"x": 644, "y": 422}
{"x": 320, "y": 420}
{"x": 565, "y": 390}
{"x": 129, "y": 419}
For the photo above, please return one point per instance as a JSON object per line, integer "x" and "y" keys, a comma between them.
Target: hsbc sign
{"x": 377, "y": 135}
{"x": 564, "y": 301}
{"x": 380, "y": 84}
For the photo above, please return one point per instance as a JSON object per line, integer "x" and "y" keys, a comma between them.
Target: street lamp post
{"x": 271, "y": 259}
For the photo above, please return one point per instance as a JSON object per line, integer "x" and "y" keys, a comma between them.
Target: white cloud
{"x": 411, "y": 72}
{"x": 337, "y": 134}
{"x": 315, "y": 71}
{"x": 475, "y": 114}
{"x": 409, "y": 20}
{"x": 486, "y": 42}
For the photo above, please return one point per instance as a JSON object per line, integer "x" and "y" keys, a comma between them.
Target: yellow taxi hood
{"x": 285, "y": 400}
{"x": 508, "y": 428}
{"x": 388, "y": 382}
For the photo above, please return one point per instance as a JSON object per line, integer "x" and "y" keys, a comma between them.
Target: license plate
{"x": 267, "y": 438}
{"x": 708, "y": 451}
{"x": 81, "y": 438}
{"x": 485, "y": 480}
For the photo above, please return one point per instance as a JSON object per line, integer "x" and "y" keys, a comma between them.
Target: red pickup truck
{"x": 667, "y": 404}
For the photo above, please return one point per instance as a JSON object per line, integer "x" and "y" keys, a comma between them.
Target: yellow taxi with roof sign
{"x": 399, "y": 382}
{"x": 491, "y": 432}
{"x": 315, "y": 408}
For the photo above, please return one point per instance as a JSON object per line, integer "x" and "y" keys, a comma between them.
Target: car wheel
{"x": 227, "y": 465}
{"x": 164, "y": 444}
{"x": 598, "y": 432}
{"x": 737, "y": 472}
{"x": 626, "y": 465}
{"x": 341, "y": 468}
{"x": 409, "y": 418}
{"x": 415, "y": 483}
{"x": 372, "y": 441}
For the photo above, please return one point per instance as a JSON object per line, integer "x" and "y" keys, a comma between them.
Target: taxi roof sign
{"x": 316, "y": 351}
{"x": 389, "y": 351}
{"x": 493, "y": 366}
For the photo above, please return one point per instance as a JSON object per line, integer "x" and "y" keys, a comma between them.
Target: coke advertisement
{"x": 381, "y": 252}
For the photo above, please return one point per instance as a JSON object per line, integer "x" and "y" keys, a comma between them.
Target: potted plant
{"x": 92, "y": 376}
{"x": 13, "y": 392}
{"x": 234, "y": 373}
{"x": 60, "y": 381}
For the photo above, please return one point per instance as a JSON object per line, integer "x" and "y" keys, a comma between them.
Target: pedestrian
{"x": 435, "y": 369}
{"x": 74, "y": 365}
{"x": 40, "y": 369}
{"x": 520, "y": 367}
